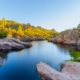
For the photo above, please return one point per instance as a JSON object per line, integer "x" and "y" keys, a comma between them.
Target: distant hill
{"x": 18, "y": 30}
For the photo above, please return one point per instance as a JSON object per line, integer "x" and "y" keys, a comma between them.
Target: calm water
{"x": 21, "y": 65}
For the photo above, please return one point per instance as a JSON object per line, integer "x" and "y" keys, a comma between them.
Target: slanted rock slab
{"x": 48, "y": 73}
{"x": 71, "y": 68}
{"x": 12, "y": 44}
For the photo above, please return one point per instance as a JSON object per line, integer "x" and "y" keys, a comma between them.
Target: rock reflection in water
{"x": 68, "y": 47}
{"x": 1, "y": 61}
{"x": 3, "y": 56}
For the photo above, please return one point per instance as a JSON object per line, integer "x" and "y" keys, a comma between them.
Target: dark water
{"x": 21, "y": 65}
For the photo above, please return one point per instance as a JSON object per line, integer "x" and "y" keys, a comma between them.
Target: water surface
{"x": 21, "y": 65}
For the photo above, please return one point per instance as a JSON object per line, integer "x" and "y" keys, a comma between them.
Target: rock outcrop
{"x": 12, "y": 44}
{"x": 69, "y": 71}
{"x": 68, "y": 37}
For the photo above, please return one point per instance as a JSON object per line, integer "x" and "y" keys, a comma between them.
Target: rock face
{"x": 12, "y": 44}
{"x": 68, "y": 37}
{"x": 69, "y": 71}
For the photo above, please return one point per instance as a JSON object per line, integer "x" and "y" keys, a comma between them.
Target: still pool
{"x": 21, "y": 65}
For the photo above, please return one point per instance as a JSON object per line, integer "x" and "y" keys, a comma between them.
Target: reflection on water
{"x": 29, "y": 49}
{"x": 21, "y": 65}
{"x": 2, "y": 60}
{"x": 3, "y": 57}
{"x": 68, "y": 47}
{"x": 21, "y": 51}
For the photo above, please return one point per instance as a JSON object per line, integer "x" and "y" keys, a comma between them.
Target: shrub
{"x": 3, "y": 34}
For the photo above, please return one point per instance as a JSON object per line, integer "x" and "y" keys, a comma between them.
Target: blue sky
{"x": 57, "y": 14}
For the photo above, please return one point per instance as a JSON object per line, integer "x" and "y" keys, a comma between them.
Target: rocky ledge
{"x": 12, "y": 44}
{"x": 69, "y": 71}
{"x": 69, "y": 37}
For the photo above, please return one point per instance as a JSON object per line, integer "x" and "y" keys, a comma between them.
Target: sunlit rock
{"x": 69, "y": 71}
{"x": 68, "y": 37}
{"x": 12, "y": 44}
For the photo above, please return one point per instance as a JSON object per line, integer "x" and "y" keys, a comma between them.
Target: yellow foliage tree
{"x": 20, "y": 31}
{"x": 9, "y": 32}
{"x": 3, "y": 23}
{"x": 15, "y": 29}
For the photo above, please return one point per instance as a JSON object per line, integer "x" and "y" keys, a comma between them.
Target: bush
{"x": 3, "y": 34}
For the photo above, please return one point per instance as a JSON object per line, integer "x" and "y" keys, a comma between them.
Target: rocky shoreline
{"x": 69, "y": 71}
{"x": 29, "y": 39}
{"x": 12, "y": 44}
{"x": 70, "y": 38}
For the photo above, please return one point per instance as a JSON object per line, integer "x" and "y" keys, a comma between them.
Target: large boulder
{"x": 15, "y": 46}
{"x": 69, "y": 71}
{"x": 4, "y": 46}
{"x": 22, "y": 43}
{"x": 69, "y": 37}
{"x": 12, "y": 44}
